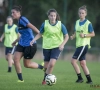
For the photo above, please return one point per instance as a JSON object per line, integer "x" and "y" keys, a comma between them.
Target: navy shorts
{"x": 28, "y": 51}
{"x": 8, "y": 50}
{"x": 51, "y": 54}
{"x": 80, "y": 53}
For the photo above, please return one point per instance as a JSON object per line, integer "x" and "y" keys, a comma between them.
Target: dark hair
{"x": 83, "y": 7}
{"x": 53, "y": 10}
{"x": 18, "y": 8}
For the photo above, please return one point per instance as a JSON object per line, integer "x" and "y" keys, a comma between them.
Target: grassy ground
{"x": 63, "y": 70}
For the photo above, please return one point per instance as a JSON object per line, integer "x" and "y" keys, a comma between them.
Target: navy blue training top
{"x": 90, "y": 27}
{"x": 26, "y": 32}
{"x": 64, "y": 30}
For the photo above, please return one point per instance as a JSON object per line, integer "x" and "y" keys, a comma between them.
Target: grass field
{"x": 63, "y": 70}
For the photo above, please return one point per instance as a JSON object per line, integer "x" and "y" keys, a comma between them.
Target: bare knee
{"x": 82, "y": 64}
{"x": 51, "y": 65}
{"x": 73, "y": 61}
{"x": 26, "y": 65}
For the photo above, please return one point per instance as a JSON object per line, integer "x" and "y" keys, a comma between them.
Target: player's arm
{"x": 66, "y": 37}
{"x": 24, "y": 21}
{"x": 1, "y": 38}
{"x": 33, "y": 27}
{"x": 36, "y": 38}
{"x": 14, "y": 43}
{"x": 91, "y": 32}
{"x": 39, "y": 35}
{"x": 73, "y": 36}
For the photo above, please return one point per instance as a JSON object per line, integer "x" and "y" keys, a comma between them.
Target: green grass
{"x": 33, "y": 77}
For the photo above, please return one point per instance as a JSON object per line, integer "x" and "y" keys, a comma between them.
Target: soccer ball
{"x": 50, "y": 79}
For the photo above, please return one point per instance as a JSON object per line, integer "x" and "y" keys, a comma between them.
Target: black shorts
{"x": 28, "y": 51}
{"x": 80, "y": 53}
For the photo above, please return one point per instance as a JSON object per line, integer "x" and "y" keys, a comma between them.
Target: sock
{"x": 9, "y": 69}
{"x": 45, "y": 76}
{"x": 79, "y": 76}
{"x": 40, "y": 66}
{"x": 20, "y": 76}
{"x": 88, "y": 78}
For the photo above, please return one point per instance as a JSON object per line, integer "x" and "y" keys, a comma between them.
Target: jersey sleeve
{"x": 24, "y": 21}
{"x": 74, "y": 27}
{"x": 90, "y": 28}
{"x": 64, "y": 29}
{"x": 42, "y": 28}
{"x": 16, "y": 29}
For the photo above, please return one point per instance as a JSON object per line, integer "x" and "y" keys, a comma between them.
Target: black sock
{"x": 9, "y": 69}
{"x": 45, "y": 76}
{"x": 40, "y": 66}
{"x": 79, "y": 76}
{"x": 20, "y": 76}
{"x": 88, "y": 78}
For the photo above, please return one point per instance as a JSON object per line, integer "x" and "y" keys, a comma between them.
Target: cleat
{"x": 42, "y": 63}
{"x": 89, "y": 82}
{"x": 43, "y": 82}
{"x": 9, "y": 71}
{"x": 20, "y": 81}
{"x": 43, "y": 66}
{"x": 79, "y": 80}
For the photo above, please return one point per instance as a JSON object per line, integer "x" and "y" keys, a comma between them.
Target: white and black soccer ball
{"x": 50, "y": 79}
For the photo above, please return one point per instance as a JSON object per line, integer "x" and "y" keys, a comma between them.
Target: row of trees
{"x": 35, "y": 11}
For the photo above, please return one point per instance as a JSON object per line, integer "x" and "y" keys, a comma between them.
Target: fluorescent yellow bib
{"x": 10, "y": 35}
{"x": 82, "y": 29}
{"x": 52, "y": 36}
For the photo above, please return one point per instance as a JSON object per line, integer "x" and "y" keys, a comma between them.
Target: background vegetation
{"x": 35, "y": 11}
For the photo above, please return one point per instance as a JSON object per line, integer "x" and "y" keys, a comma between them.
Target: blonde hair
{"x": 83, "y": 8}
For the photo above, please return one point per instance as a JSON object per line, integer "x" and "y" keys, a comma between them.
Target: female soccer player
{"x": 83, "y": 33}
{"x": 23, "y": 48}
{"x": 55, "y": 37}
{"x": 10, "y": 34}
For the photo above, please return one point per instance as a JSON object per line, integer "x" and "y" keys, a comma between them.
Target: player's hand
{"x": 14, "y": 43}
{"x": 61, "y": 47}
{"x": 81, "y": 35}
{"x": 71, "y": 37}
{"x": 31, "y": 43}
{"x": 0, "y": 39}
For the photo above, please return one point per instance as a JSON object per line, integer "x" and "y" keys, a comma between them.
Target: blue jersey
{"x": 90, "y": 27}
{"x": 26, "y": 32}
{"x": 64, "y": 30}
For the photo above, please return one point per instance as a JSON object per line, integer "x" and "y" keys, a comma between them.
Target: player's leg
{"x": 76, "y": 66}
{"x": 17, "y": 57}
{"x": 10, "y": 62}
{"x": 86, "y": 71}
{"x": 29, "y": 53}
{"x": 51, "y": 66}
{"x": 84, "y": 66}
{"x": 53, "y": 55}
{"x": 77, "y": 70}
{"x": 46, "y": 54}
{"x": 9, "y": 58}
